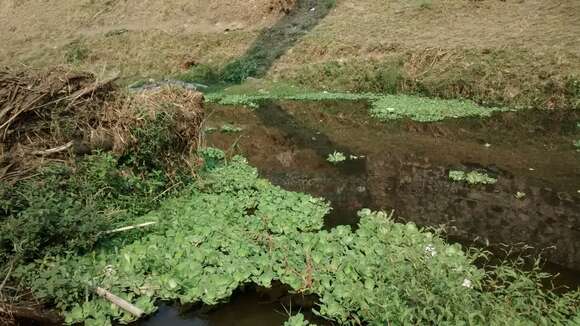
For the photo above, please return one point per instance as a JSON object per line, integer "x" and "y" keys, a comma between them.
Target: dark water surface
{"x": 403, "y": 166}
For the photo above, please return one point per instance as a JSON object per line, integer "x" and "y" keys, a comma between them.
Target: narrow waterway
{"x": 403, "y": 166}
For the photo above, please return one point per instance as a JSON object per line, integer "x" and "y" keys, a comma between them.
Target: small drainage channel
{"x": 404, "y": 166}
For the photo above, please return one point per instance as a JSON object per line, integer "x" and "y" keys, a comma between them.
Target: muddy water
{"x": 249, "y": 306}
{"x": 404, "y": 166}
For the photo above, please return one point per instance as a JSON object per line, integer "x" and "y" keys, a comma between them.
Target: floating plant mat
{"x": 382, "y": 107}
{"x": 234, "y": 228}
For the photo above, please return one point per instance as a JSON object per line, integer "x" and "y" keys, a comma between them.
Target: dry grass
{"x": 142, "y": 39}
{"x": 50, "y": 115}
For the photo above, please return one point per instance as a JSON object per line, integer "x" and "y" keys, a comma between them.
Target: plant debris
{"x": 52, "y": 114}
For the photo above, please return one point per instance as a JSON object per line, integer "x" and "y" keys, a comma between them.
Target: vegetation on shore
{"x": 230, "y": 228}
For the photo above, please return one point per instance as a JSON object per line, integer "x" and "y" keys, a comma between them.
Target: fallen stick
{"x": 131, "y": 227}
{"x": 119, "y": 302}
{"x": 54, "y": 150}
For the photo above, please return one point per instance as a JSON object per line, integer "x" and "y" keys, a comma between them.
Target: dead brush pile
{"x": 58, "y": 114}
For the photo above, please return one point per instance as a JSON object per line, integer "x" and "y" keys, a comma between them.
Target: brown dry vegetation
{"x": 515, "y": 52}
{"x": 48, "y": 115}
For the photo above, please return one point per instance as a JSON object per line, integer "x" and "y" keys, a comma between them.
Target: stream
{"x": 403, "y": 166}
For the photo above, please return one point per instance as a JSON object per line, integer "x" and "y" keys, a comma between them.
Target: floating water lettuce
{"x": 227, "y": 128}
{"x": 422, "y": 109}
{"x": 297, "y": 320}
{"x": 473, "y": 177}
{"x": 382, "y": 107}
{"x": 336, "y": 157}
{"x": 232, "y": 228}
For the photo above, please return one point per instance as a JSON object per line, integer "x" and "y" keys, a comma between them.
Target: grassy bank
{"x": 493, "y": 53}
{"x": 501, "y": 78}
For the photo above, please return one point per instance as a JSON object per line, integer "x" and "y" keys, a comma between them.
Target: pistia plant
{"x": 382, "y": 107}
{"x": 472, "y": 177}
{"x": 233, "y": 228}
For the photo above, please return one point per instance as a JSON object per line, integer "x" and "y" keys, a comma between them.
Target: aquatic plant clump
{"x": 233, "y": 228}
{"x": 382, "y": 107}
{"x": 297, "y": 320}
{"x": 252, "y": 100}
{"x": 228, "y": 128}
{"x": 472, "y": 178}
{"x": 336, "y": 157}
{"x": 392, "y": 107}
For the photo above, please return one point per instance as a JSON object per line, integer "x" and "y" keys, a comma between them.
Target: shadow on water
{"x": 272, "y": 114}
{"x": 274, "y": 41}
{"x": 249, "y": 306}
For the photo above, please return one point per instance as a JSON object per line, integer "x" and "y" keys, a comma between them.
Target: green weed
{"x": 383, "y": 107}
{"x": 425, "y": 4}
{"x": 211, "y": 157}
{"x": 484, "y": 82}
{"x": 76, "y": 52}
{"x": 202, "y": 73}
{"x": 392, "y": 107}
{"x": 577, "y": 145}
{"x": 64, "y": 208}
{"x": 240, "y": 69}
{"x": 329, "y": 3}
{"x": 297, "y": 320}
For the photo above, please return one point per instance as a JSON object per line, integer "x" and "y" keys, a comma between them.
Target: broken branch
{"x": 128, "y": 307}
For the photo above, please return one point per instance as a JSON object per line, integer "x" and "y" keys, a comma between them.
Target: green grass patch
{"x": 76, "y": 52}
{"x": 233, "y": 228}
